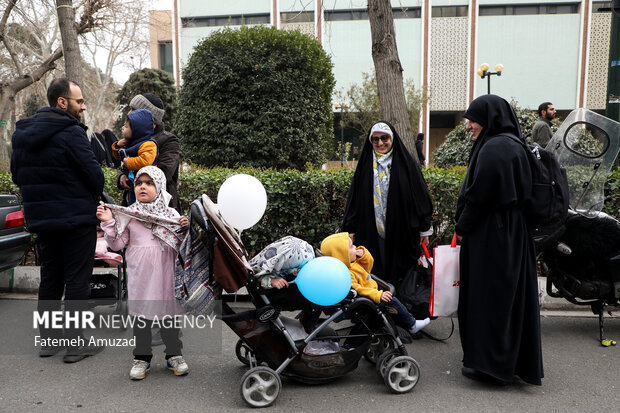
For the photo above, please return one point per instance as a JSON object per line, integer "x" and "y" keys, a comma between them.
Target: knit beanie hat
{"x": 142, "y": 102}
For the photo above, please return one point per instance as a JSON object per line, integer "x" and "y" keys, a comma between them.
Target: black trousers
{"x": 142, "y": 333}
{"x": 67, "y": 259}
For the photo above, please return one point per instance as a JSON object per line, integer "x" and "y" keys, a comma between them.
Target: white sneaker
{"x": 419, "y": 325}
{"x": 139, "y": 369}
{"x": 178, "y": 365}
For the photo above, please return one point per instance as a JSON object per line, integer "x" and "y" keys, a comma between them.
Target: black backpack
{"x": 548, "y": 204}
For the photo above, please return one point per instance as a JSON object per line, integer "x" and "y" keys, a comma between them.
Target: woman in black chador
{"x": 388, "y": 207}
{"x": 498, "y": 312}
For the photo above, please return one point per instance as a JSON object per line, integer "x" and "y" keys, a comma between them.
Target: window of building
{"x": 449, "y": 11}
{"x": 360, "y": 14}
{"x": 297, "y": 17}
{"x": 233, "y": 20}
{"x": 601, "y": 7}
{"x": 528, "y": 9}
{"x": 165, "y": 57}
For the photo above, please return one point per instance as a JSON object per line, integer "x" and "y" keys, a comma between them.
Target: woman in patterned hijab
{"x": 389, "y": 206}
{"x": 156, "y": 214}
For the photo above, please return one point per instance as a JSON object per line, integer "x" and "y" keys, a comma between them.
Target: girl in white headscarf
{"x": 152, "y": 232}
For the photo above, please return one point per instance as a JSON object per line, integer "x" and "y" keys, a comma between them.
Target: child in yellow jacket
{"x": 360, "y": 261}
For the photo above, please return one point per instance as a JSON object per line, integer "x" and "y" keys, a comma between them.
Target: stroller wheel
{"x": 401, "y": 374}
{"x": 378, "y": 346}
{"x": 384, "y": 360}
{"x": 260, "y": 386}
{"x": 243, "y": 351}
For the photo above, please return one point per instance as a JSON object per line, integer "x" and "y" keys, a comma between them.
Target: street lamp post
{"x": 342, "y": 106}
{"x": 484, "y": 72}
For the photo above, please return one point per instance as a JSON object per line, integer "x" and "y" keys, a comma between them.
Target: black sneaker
{"x": 75, "y": 354}
{"x": 49, "y": 351}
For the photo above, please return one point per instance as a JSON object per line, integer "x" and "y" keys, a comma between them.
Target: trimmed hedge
{"x": 310, "y": 204}
{"x": 258, "y": 97}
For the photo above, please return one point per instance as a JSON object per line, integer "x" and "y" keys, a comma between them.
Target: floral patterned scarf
{"x": 156, "y": 215}
{"x": 381, "y": 166}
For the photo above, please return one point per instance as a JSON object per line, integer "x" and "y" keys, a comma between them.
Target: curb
{"x": 25, "y": 280}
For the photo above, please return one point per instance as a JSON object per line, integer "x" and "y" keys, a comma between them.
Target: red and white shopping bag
{"x": 446, "y": 280}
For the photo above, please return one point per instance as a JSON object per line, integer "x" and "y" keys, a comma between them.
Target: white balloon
{"x": 242, "y": 201}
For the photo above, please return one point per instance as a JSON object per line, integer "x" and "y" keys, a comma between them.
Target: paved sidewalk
{"x": 580, "y": 376}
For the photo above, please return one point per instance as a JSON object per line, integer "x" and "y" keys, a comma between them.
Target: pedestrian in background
{"x": 541, "y": 131}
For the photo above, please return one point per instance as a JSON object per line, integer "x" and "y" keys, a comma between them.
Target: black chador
{"x": 408, "y": 211}
{"x": 498, "y": 312}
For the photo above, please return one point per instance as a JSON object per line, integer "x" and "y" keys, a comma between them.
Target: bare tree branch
{"x": 9, "y": 48}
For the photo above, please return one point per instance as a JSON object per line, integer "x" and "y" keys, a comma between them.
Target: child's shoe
{"x": 178, "y": 365}
{"x": 419, "y": 325}
{"x": 139, "y": 369}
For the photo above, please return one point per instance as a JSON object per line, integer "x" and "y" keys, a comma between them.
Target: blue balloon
{"x": 324, "y": 281}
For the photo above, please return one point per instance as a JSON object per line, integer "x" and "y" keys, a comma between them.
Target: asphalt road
{"x": 580, "y": 376}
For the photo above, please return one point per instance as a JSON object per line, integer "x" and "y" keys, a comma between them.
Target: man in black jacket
{"x": 167, "y": 146}
{"x": 60, "y": 180}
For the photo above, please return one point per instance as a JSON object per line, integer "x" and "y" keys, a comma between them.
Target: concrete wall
{"x": 540, "y": 54}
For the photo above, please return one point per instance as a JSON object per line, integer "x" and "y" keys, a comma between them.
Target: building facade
{"x": 554, "y": 50}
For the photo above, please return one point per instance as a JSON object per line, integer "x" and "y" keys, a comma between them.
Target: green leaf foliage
{"x": 257, "y": 97}
{"x": 153, "y": 81}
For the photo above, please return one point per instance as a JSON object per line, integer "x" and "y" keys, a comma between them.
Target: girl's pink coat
{"x": 150, "y": 270}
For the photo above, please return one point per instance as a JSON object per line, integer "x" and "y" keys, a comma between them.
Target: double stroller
{"x": 273, "y": 345}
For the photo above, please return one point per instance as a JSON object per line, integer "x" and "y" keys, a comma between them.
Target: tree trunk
{"x": 389, "y": 71}
{"x": 70, "y": 45}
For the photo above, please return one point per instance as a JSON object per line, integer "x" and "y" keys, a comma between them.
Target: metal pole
{"x": 488, "y": 83}
{"x": 341, "y": 136}
{"x": 612, "y": 110}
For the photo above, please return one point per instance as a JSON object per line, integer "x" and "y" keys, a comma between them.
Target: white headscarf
{"x": 157, "y": 215}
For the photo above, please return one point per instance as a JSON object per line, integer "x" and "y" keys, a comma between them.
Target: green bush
{"x": 257, "y": 97}
{"x": 308, "y": 205}
{"x": 456, "y": 148}
{"x": 153, "y": 81}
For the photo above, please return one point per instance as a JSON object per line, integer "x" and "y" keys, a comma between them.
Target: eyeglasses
{"x": 385, "y": 138}
{"x": 78, "y": 101}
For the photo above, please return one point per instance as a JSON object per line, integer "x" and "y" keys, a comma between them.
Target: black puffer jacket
{"x": 55, "y": 168}
{"x": 168, "y": 162}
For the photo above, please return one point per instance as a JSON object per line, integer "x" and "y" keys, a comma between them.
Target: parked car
{"x": 14, "y": 239}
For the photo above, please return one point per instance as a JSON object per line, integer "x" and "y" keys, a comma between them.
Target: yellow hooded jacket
{"x": 337, "y": 246}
